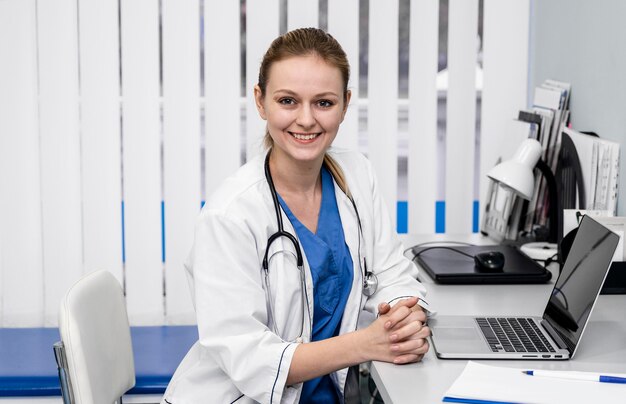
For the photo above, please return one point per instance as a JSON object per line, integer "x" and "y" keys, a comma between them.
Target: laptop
{"x": 555, "y": 335}
{"x": 454, "y": 267}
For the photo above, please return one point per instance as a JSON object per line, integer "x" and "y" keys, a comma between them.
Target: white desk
{"x": 603, "y": 346}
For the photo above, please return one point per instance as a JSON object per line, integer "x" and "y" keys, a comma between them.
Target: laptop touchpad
{"x": 456, "y": 333}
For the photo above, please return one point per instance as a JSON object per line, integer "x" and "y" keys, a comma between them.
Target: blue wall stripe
{"x": 475, "y": 217}
{"x": 402, "y": 226}
{"x": 162, "y": 231}
{"x": 440, "y": 216}
{"x": 403, "y": 217}
{"x": 123, "y": 237}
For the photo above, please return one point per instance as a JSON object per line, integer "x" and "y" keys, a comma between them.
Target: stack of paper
{"x": 484, "y": 384}
{"x": 599, "y": 161}
{"x": 551, "y": 104}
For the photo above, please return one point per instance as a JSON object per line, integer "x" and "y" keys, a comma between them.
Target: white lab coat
{"x": 238, "y": 357}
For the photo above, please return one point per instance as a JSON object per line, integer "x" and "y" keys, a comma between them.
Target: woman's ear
{"x": 258, "y": 100}
{"x": 346, "y": 104}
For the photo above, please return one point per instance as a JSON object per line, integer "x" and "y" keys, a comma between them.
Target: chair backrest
{"x": 94, "y": 329}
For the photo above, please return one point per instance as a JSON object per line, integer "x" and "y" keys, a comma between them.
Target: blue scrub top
{"x": 331, "y": 268}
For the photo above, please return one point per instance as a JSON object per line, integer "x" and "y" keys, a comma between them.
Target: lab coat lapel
{"x": 352, "y": 235}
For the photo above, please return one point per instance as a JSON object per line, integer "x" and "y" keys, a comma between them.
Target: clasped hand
{"x": 400, "y": 333}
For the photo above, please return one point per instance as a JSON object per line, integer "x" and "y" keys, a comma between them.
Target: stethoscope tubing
{"x": 370, "y": 280}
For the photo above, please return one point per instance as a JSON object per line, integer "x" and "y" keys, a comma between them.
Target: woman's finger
{"x": 416, "y": 346}
{"x": 414, "y": 316}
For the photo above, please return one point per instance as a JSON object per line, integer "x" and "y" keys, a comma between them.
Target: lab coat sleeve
{"x": 397, "y": 275}
{"x": 231, "y": 309}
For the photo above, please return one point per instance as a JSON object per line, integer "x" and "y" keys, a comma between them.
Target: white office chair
{"x": 95, "y": 355}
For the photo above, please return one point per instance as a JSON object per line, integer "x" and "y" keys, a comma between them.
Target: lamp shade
{"x": 517, "y": 173}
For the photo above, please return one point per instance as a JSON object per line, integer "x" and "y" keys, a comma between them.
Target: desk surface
{"x": 603, "y": 346}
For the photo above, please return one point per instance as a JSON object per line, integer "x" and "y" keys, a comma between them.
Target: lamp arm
{"x": 553, "y": 201}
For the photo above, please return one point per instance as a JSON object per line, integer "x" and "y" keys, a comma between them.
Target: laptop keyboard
{"x": 513, "y": 335}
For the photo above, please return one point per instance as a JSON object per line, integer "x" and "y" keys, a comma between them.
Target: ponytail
{"x": 337, "y": 174}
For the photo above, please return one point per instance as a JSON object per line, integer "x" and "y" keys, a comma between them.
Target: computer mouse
{"x": 489, "y": 261}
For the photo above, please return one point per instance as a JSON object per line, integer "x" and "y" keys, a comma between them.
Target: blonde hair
{"x": 302, "y": 42}
{"x": 337, "y": 172}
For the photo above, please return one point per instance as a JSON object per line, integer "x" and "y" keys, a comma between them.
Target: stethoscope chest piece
{"x": 370, "y": 284}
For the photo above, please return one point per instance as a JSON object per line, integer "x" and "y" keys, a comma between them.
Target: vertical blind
{"x": 117, "y": 119}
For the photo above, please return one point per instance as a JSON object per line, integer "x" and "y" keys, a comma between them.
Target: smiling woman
{"x": 303, "y": 106}
{"x": 293, "y": 231}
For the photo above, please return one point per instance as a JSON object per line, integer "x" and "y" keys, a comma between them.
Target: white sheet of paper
{"x": 503, "y": 384}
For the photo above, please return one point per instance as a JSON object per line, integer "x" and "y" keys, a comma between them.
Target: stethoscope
{"x": 370, "y": 280}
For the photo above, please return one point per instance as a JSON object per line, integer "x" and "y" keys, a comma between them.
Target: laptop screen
{"x": 580, "y": 280}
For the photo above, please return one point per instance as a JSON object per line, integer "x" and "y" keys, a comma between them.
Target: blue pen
{"x": 592, "y": 377}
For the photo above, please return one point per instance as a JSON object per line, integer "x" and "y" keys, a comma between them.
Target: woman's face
{"x": 303, "y": 106}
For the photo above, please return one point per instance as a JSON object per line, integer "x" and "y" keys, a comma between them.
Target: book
{"x": 479, "y": 383}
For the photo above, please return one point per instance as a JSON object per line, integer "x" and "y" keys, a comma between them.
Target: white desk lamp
{"x": 517, "y": 175}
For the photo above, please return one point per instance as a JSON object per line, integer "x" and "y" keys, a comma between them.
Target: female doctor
{"x": 292, "y": 247}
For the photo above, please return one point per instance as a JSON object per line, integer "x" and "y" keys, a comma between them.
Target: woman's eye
{"x": 287, "y": 101}
{"x": 325, "y": 103}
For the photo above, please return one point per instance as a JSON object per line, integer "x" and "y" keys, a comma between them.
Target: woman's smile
{"x": 305, "y": 137}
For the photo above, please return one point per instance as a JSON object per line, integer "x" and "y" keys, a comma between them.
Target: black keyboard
{"x": 513, "y": 335}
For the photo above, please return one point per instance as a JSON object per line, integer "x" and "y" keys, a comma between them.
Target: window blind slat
{"x": 181, "y": 149}
{"x": 222, "y": 61}
{"x": 21, "y": 290}
{"x": 422, "y": 171}
{"x": 60, "y": 151}
{"x": 383, "y": 96}
{"x": 262, "y": 25}
{"x": 461, "y": 114}
{"x": 100, "y": 136}
{"x": 141, "y": 159}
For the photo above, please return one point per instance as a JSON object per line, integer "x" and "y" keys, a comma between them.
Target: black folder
{"x": 451, "y": 267}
